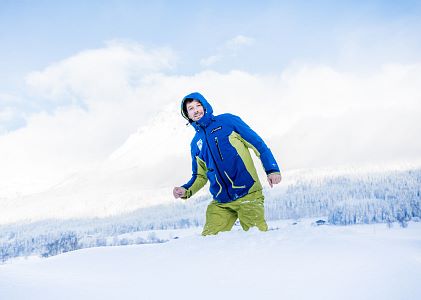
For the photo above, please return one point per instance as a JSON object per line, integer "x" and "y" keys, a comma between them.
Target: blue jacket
{"x": 220, "y": 154}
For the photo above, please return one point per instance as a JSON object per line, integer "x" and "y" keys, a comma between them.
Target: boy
{"x": 220, "y": 154}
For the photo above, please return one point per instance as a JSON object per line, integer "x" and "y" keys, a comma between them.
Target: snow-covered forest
{"x": 338, "y": 199}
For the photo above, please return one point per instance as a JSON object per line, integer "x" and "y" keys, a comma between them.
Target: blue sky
{"x": 345, "y": 34}
{"x": 35, "y": 34}
{"x": 79, "y": 77}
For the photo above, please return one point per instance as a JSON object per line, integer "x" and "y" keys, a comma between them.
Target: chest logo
{"x": 216, "y": 129}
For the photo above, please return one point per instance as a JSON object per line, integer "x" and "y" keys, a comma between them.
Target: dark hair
{"x": 187, "y": 101}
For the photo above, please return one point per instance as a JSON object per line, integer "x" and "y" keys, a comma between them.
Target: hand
{"x": 179, "y": 192}
{"x": 274, "y": 178}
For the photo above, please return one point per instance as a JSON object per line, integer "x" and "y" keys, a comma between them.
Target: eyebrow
{"x": 191, "y": 104}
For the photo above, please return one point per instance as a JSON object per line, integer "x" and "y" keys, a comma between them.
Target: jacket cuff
{"x": 188, "y": 193}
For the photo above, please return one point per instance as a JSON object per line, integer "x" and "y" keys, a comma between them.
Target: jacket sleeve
{"x": 255, "y": 142}
{"x": 198, "y": 179}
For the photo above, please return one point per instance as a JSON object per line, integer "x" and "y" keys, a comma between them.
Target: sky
{"x": 324, "y": 82}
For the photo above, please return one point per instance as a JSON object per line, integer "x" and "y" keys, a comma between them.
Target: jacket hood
{"x": 204, "y": 121}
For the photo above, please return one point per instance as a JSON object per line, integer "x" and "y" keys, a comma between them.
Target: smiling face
{"x": 195, "y": 110}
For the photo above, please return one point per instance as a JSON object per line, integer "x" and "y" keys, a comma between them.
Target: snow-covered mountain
{"x": 142, "y": 172}
{"x": 137, "y": 174}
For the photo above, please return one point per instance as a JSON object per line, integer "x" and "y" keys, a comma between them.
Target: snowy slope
{"x": 295, "y": 262}
{"x": 137, "y": 174}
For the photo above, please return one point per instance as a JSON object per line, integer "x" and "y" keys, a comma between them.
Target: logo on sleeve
{"x": 199, "y": 144}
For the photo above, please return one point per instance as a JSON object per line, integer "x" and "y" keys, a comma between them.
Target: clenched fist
{"x": 274, "y": 178}
{"x": 179, "y": 192}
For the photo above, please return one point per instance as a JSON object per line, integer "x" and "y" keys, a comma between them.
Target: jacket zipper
{"x": 216, "y": 166}
{"x": 219, "y": 150}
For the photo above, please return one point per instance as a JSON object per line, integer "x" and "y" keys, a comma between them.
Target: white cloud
{"x": 209, "y": 61}
{"x": 229, "y": 49}
{"x": 108, "y": 74}
{"x": 7, "y": 114}
{"x": 10, "y": 115}
{"x": 239, "y": 41}
{"x": 98, "y": 97}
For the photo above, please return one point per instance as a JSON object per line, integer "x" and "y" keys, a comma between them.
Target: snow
{"x": 301, "y": 261}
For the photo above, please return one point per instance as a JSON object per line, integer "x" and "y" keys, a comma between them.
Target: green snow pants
{"x": 248, "y": 209}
